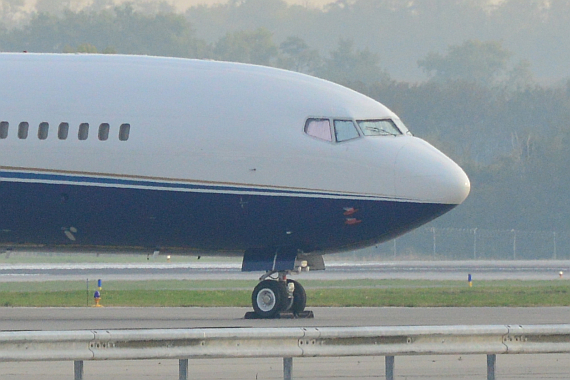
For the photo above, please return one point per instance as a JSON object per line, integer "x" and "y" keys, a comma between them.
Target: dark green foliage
{"x": 120, "y": 29}
{"x": 473, "y": 61}
{"x": 247, "y": 47}
{"x": 352, "y": 67}
{"x": 296, "y": 55}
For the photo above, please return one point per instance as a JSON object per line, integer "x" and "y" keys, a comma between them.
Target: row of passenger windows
{"x": 344, "y": 130}
{"x": 63, "y": 131}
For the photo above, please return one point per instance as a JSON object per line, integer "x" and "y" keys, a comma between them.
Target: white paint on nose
{"x": 422, "y": 173}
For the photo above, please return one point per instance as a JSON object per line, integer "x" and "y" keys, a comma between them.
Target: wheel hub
{"x": 266, "y": 300}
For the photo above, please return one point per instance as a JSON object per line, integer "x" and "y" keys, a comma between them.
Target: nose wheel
{"x": 271, "y": 297}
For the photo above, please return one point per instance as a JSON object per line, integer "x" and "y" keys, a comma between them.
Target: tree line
{"x": 401, "y": 31}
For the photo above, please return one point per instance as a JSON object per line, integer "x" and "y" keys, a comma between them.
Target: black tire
{"x": 299, "y": 298}
{"x": 269, "y": 298}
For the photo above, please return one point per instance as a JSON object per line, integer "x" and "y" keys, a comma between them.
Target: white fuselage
{"x": 204, "y": 127}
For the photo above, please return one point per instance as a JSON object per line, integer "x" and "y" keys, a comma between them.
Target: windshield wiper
{"x": 380, "y": 131}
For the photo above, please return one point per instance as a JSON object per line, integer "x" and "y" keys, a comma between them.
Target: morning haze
{"x": 486, "y": 82}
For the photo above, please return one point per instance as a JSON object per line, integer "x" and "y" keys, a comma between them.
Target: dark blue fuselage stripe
{"x": 109, "y": 181}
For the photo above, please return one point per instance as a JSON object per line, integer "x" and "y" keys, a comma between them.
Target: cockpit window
{"x": 385, "y": 127}
{"x": 402, "y": 127}
{"x": 345, "y": 130}
{"x": 319, "y": 128}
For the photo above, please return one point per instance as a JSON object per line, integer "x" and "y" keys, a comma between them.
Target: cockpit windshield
{"x": 384, "y": 127}
{"x": 340, "y": 130}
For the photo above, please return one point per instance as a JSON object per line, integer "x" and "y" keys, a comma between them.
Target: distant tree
{"x": 352, "y": 67}
{"x": 153, "y": 7}
{"x": 520, "y": 77}
{"x": 338, "y": 5}
{"x": 58, "y": 7}
{"x": 100, "y": 5}
{"x": 297, "y": 56}
{"x": 109, "y": 50}
{"x": 121, "y": 29}
{"x": 87, "y": 48}
{"x": 473, "y": 61}
{"x": 9, "y": 11}
{"x": 247, "y": 46}
{"x": 82, "y": 48}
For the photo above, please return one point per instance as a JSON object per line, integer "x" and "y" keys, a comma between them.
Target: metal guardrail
{"x": 287, "y": 343}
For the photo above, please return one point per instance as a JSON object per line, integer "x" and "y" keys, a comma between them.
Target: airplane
{"x": 140, "y": 154}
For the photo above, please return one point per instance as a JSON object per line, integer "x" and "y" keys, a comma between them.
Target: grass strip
{"x": 135, "y": 298}
{"x": 442, "y": 297}
{"x": 319, "y": 293}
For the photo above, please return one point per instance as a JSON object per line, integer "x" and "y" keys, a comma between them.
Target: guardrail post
{"x": 491, "y": 361}
{"x": 389, "y": 368}
{"x": 183, "y": 369}
{"x": 287, "y": 368}
{"x": 78, "y": 369}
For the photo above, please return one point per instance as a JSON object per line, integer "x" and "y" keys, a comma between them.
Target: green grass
{"x": 359, "y": 293}
{"x": 444, "y": 296}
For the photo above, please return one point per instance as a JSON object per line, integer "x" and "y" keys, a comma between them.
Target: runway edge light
{"x": 97, "y": 297}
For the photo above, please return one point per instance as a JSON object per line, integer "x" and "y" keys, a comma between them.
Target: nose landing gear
{"x": 278, "y": 298}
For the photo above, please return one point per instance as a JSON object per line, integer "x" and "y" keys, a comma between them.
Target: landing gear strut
{"x": 273, "y": 296}
{"x": 299, "y": 300}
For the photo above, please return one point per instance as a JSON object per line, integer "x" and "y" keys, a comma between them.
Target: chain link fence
{"x": 476, "y": 244}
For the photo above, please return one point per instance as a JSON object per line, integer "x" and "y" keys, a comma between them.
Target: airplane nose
{"x": 423, "y": 173}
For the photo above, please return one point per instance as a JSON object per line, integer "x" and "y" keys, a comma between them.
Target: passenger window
{"x": 43, "y": 131}
{"x": 319, "y": 128}
{"x": 4, "y": 129}
{"x": 63, "y": 131}
{"x": 345, "y": 130}
{"x": 124, "y": 132}
{"x": 104, "y": 131}
{"x": 83, "y": 131}
{"x": 379, "y": 128}
{"x": 23, "y": 130}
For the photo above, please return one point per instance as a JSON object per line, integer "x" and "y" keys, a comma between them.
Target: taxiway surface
{"x": 91, "y": 318}
{"x": 427, "y": 270}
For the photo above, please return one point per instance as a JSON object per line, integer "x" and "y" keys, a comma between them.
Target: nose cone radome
{"x": 424, "y": 174}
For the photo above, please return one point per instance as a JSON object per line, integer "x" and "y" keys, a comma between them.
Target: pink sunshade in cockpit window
{"x": 319, "y": 128}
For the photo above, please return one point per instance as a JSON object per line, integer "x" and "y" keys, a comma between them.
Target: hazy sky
{"x": 317, "y": 3}
{"x": 185, "y": 4}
